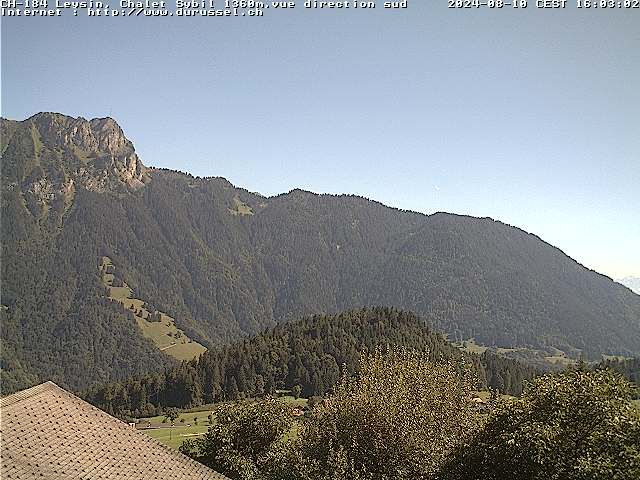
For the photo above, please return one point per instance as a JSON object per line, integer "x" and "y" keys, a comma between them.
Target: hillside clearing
{"x": 157, "y": 326}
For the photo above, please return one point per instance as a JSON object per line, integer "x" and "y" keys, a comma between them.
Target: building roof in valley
{"x": 47, "y": 432}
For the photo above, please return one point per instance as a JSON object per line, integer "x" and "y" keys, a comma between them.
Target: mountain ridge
{"x": 226, "y": 262}
{"x": 115, "y": 126}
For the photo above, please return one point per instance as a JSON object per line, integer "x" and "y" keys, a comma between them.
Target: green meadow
{"x": 157, "y": 326}
{"x": 193, "y": 423}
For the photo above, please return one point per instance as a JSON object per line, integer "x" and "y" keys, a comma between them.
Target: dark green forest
{"x": 313, "y": 353}
{"x": 227, "y": 263}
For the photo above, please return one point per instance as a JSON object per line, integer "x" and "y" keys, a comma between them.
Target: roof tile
{"x": 47, "y": 432}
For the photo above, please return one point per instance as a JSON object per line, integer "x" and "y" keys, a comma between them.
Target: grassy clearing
{"x": 157, "y": 326}
{"x": 187, "y": 416}
{"x": 558, "y": 357}
{"x": 173, "y": 437}
{"x": 195, "y": 422}
{"x": 121, "y": 294}
{"x": 240, "y": 208}
{"x": 187, "y": 425}
{"x": 560, "y": 360}
{"x": 470, "y": 346}
{"x": 551, "y": 357}
{"x": 294, "y": 402}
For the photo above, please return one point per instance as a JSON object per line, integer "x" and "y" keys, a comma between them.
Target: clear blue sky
{"x": 530, "y": 117}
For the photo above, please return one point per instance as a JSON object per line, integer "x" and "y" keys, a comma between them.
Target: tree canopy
{"x": 576, "y": 425}
{"x": 404, "y": 417}
{"x": 311, "y": 354}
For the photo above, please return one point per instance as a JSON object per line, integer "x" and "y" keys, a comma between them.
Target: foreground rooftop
{"x": 47, "y": 432}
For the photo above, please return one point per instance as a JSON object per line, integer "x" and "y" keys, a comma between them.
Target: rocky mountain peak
{"x": 99, "y": 135}
{"x": 49, "y": 156}
{"x": 100, "y": 144}
{"x": 109, "y": 136}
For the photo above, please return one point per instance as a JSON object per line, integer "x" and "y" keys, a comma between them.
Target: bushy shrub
{"x": 403, "y": 417}
{"x": 577, "y": 425}
{"x": 241, "y": 437}
{"x": 398, "y": 419}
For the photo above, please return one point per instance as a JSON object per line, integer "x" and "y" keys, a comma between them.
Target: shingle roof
{"x": 49, "y": 433}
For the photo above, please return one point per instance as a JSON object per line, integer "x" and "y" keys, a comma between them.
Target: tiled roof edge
{"x": 28, "y": 393}
{"x": 23, "y": 395}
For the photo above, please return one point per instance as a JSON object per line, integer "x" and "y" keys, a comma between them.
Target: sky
{"x": 531, "y": 117}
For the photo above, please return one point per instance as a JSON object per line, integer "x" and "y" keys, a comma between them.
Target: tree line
{"x": 310, "y": 355}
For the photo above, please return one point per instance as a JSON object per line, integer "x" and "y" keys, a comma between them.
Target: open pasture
{"x": 163, "y": 332}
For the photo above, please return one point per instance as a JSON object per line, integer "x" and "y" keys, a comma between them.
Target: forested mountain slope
{"x": 312, "y": 353}
{"x": 224, "y": 262}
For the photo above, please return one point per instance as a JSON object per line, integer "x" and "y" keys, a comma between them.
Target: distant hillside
{"x": 311, "y": 353}
{"x": 223, "y": 263}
